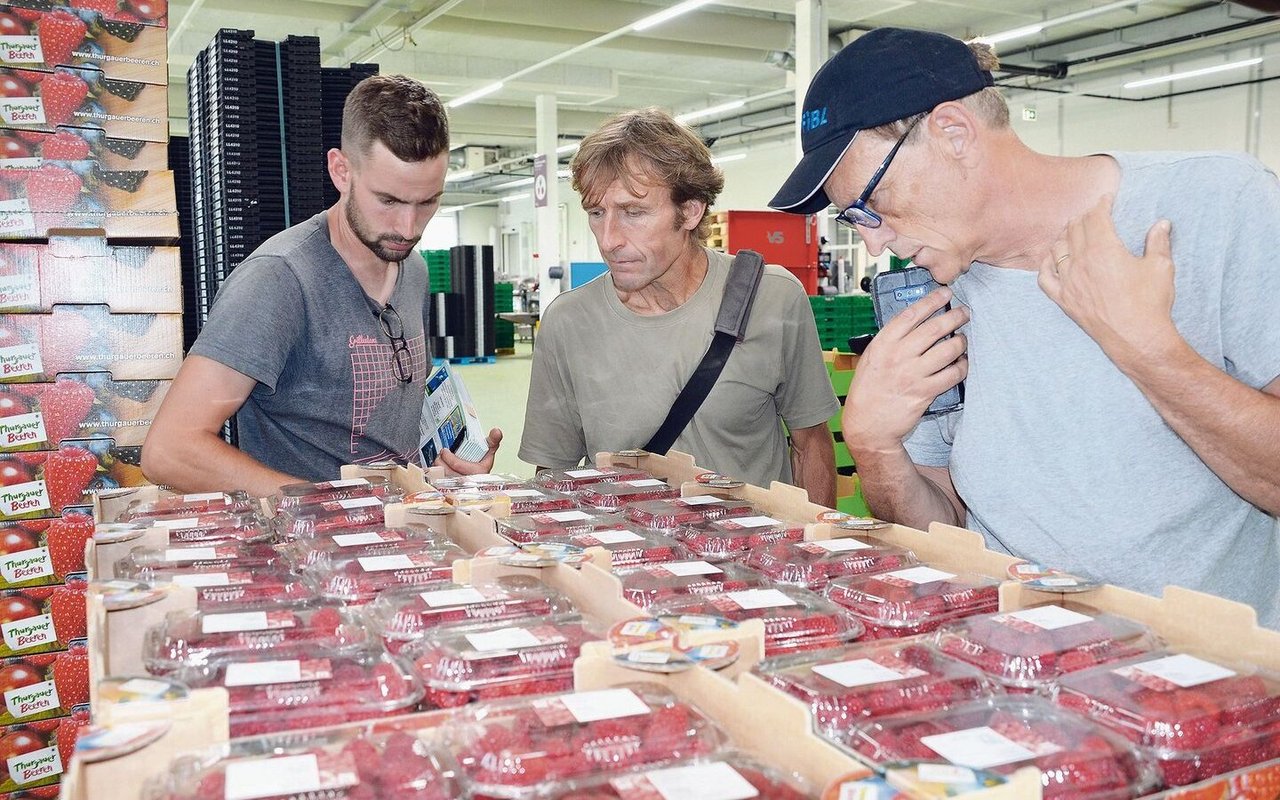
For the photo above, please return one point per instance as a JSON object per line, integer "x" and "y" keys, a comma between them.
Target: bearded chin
{"x": 368, "y": 240}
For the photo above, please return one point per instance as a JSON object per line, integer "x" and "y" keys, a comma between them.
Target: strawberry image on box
{"x": 736, "y": 537}
{"x": 71, "y": 143}
{"x": 45, "y": 685}
{"x": 133, "y": 13}
{"x": 41, "y": 552}
{"x": 508, "y": 748}
{"x": 33, "y": 756}
{"x": 40, "y": 484}
{"x": 85, "y": 270}
{"x": 814, "y": 564}
{"x": 81, "y": 37}
{"x": 44, "y": 100}
{"x": 680, "y": 511}
{"x": 42, "y": 619}
{"x": 81, "y": 195}
{"x": 915, "y": 600}
{"x": 39, "y": 347}
{"x": 40, "y": 416}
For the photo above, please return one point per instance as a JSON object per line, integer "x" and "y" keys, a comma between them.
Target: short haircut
{"x": 988, "y": 104}
{"x": 402, "y": 113}
{"x": 647, "y": 146}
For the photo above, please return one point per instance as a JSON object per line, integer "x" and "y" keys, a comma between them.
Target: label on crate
{"x": 750, "y": 599}
{"x": 31, "y": 700}
{"x": 1049, "y": 618}
{"x": 864, "y": 672}
{"x": 359, "y": 502}
{"x": 24, "y": 498}
{"x": 191, "y": 554}
{"x": 22, "y": 430}
{"x": 584, "y": 707}
{"x": 518, "y": 493}
{"x": 21, "y": 111}
{"x": 584, "y": 473}
{"x": 20, "y": 359}
{"x": 700, "y": 500}
{"x": 201, "y": 579}
{"x": 841, "y": 545}
{"x": 715, "y": 781}
{"x": 21, "y": 50}
{"x": 250, "y": 779}
{"x": 688, "y": 568}
{"x": 468, "y": 595}
{"x": 178, "y": 524}
{"x": 1180, "y": 670}
{"x": 978, "y": 748}
{"x": 24, "y": 634}
{"x": 645, "y": 482}
{"x": 384, "y": 563}
{"x": 612, "y": 537}
{"x": 750, "y": 522}
{"x": 504, "y": 639}
{"x": 27, "y": 565}
{"x": 246, "y": 621}
{"x": 18, "y": 291}
{"x": 358, "y": 539}
{"x": 567, "y": 516}
{"x": 260, "y": 673}
{"x": 915, "y": 576}
{"x": 36, "y": 765}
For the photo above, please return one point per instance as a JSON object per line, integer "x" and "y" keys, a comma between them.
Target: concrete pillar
{"x": 547, "y": 215}
{"x": 811, "y": 53}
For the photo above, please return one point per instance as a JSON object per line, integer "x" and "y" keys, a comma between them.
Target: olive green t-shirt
{"x": 604, "y": 377}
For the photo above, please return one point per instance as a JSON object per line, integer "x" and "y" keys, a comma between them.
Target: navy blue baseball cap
{"x": 883, "y": 76}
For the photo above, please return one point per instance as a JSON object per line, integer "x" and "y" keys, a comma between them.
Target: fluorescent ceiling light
{"x": 1032, "y": 30}
{"x": 460, "y": 176}
{"x": 450, "y": 209}
{"x": 511, "y": 198}
{"x": 667, "y": 14}
{"x": 729, "y": 157}
{"x": 515, "y": 183}
{"x": 1016, "y": 33}
{"x": 712, "y": 111}
{"x": 567, "y": 148}
{"x": 483, "y": 91}
{"x": 1248, "y": 62}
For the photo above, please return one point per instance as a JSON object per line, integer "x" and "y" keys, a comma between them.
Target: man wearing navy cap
{"x": 1115, "y": 328}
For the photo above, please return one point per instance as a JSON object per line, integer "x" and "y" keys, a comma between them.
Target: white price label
{"x": 841, "y": 545}
{"x": 504, "y": 639}
{"x": 864, "y": 672}
{"x": 202, "y": 497}
{"x": 262, "y": 672}
{"x": 1181, "y": 670}
{"x": 646, "y": 482}
{"x": 234, "y": 623}
{"x": 715, "y": 781}
{"x": 191, "y": 554}
{"x": 604, "y": 704}
{"x": 359, "y": 502}
{"x": 753, "y": 522}
{"x": 921, "y": 575}
{"x": 201, "y": 579}
{"x": 701, "y": 500}
{"x": 383, "y": 563}
{"x": 251, "y": 779}
{"x": 1049, "y": 618}
{"x": 760, "y": 598}
{"x": 568, "y": 516}
{"x": 615, "y": 537}
{"x": 687, "y": 568}
{"x": 978, "y": 748}
{"x": 583, "y": 473}
{"x": 444, "y": 598}
{"x": 357, "y": 539}
{"x": 518, "y": 493}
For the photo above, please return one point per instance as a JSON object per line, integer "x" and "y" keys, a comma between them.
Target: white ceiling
{"x": 713, "y": 54}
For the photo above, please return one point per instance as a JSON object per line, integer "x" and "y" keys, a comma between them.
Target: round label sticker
{"x": 718, "y": 481}
{"x": 1042, "y": 578}
{"x": 849, "y": 522}
{"x": 639, "y": 630}
{"x": 118, "y": 595}
{"x": 431, "y": 510}
{"x": 472, "y": 500}
{"x": 536, "y": 554}
{"x": 380, "y": 466}
{"x": 667, "y": 657}
{"x": 632, "y": 453}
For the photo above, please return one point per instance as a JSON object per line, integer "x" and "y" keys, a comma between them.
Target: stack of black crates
{"x": 462, "y": 321}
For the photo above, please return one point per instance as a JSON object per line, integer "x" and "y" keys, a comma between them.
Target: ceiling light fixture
{"x": 466, "y": 174}
{"x": 483, "y": 91}
{"x": 515, "y": 183}
{"x": 511, "y": 198}
{"x": 1009, "y": 35}
{"x": 1192, "y": 73}
{"x": 712, "y": 111}
{"x": 1032, "y": 30}
{"x": 730, "y": 157}
{"x": 654, "y": 20}
{"x": 567, "y": 148}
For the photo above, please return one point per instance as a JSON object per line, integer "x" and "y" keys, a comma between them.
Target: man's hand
{"x": 903, "y": 369}
{"x": 1122, "y": 301}
{"x": 457, "y": 466}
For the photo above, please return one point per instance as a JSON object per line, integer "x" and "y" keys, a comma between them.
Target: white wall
{"x": 477, "y": 225}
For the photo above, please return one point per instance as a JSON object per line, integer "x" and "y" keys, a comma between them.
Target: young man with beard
{"x": 316, "y": 342}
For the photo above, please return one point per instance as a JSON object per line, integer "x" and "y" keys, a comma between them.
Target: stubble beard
{"x": 374, "y": 243}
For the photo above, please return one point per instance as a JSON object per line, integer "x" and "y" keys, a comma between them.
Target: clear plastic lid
{"x": 295, "y": 495}
{"x": 488, "y": 482}
{"x": 532, "y": 527}
{"x": 629, "y": 546}
{"x": 795, "y": 619}
{"x": 846, "y": 686}
{"x": 310, "y": 689}
{"x": 345, "y": 764}
{"x": 734, "y": 538}
{"x": 359, "y": 579}
{"x": 1076, "y": 757}
{"x": 614, "y": 495}
{"x": 1028, "y": 648}
{"x": 237, "y": 589}
{"x": 156, "y": 565}
{"x": 406, "y": 615}
{"x": 679, "y": 511}
{"x": 530, "y": 499}
{"x": 191, "y": 638}
{"x": 302, "y": 553}
{"x": 652, "y": 583}
{"x": 571, "y": 480}
{"x": 462, "y": 664}
{"x": 914, "y": 600}
{"x": 1198, "y": 716}
{"x": 506, "y": 749}
{"x": 188, "y": 505}
{"x": 217, "y": 527}
{"x": 726, "y": 775}
{"x": 352, "y": 515}
{"x": 814, "y": 564}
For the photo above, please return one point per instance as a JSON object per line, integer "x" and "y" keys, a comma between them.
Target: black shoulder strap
{"x": 731, "y": 325}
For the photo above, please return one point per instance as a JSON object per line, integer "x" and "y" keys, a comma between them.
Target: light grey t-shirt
{"x": 1061, "y": 459}
{"x": 604, "y": 377}
{"x": 294, "y": 318}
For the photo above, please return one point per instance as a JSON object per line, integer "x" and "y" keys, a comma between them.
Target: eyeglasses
{"x": 859, "y": 213}
{"x": 401, "y": 358}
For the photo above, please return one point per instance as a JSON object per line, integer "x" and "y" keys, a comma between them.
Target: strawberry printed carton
{"x": 795, "y": 620}
{"x": 914, "y": 600}
{"x": 42, "y": 552}
{"x": 132, "y": 347}
{"x": 191, "y": 638}
{"x": 349, "y": 763}
{"x": 726, "y": 775}
{"x": 677, "y": 512}
{"x": 39, "y": 199}
{"x": 814, "y": 564}
{"x": 34, "y": 755}
{"x": 305, "y": 553}
{"x": 180, "y": 506}
{"x": 44, "y": 100}
{"x": 310, "y": 689}
{"x": 506, "y": 749}
{"x": 1028, "y": 649}
{"x": 42, "y": 483}
{"x": 360, "y": 579}
{"x": 400, "y": 616}
{"x": 647, "y": 585}
{"x": 42, "y": 619}
{"x": 86, "y": 270}
{"x": 70, "y": 143}
{"x": 573, "y": 480}
{"x": 152, "y": 565}
{"x": 1077, "y": 758}
{"x": 851, "y": 685}
{"x": 80, "y": 37}
{"x": 45, "y": 685}
{"x": 41, "y": 416}
{"x": 1195, "y": 716}
{"x": 461, "y": 664}
{"x": 614, "y": 495}
{"x": 521, "y": 528}
{"x": 735, "y": 538}
{"x": 134, "y": 13}
{"x": 630, "y": 546}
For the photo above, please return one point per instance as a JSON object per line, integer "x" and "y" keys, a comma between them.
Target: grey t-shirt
{"x": 1061, "y": 459}
{"x": 294, "y": 318}
{"x": 604, "y": 377}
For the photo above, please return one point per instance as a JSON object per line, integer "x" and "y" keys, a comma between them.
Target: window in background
{"x": 441, "y": 233}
